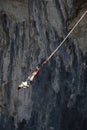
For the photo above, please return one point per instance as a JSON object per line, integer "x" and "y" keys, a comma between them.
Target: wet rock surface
{"x": 29, "y": 31}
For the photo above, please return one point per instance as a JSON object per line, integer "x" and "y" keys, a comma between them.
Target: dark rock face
{"x": 29, "y": 32}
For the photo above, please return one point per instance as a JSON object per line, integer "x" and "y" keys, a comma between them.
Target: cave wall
{"x": 29, "y": 31}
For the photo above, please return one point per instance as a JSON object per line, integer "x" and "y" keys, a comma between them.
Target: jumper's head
{"x": 20, "y": 86}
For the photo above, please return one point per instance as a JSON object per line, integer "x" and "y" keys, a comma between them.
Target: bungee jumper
{"x": 30, "y": 78}
{"x": 28, "y": 81}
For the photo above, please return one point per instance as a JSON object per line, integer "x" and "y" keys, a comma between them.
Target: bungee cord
{"x": 66, "y": 37}
{"x": 30, "y": 78}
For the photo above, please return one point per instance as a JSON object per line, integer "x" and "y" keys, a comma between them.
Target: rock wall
{"x": 29, "y": 31}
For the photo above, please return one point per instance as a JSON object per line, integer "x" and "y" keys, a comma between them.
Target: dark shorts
{"x": 28, "y": 82}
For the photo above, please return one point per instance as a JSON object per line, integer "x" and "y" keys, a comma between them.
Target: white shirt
{"x": 24, "y": 84}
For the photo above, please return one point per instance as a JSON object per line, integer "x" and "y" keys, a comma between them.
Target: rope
{"x": 65, "y": 38}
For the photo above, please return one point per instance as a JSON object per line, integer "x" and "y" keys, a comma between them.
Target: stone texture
{"x": 29, "y": 31}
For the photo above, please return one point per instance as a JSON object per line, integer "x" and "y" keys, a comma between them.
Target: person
{"x": 30, "y": 78}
